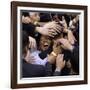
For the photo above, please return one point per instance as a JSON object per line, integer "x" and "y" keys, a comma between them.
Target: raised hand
{"x": 49, "y": 29}
{"x": 32, "y": 42}
{"x": 60, "y": 63}
{"x": 29, "y": 58}
{"x": 65, "y": 44}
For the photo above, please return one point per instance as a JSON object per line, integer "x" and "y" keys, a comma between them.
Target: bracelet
{"x": 54, "y": 54}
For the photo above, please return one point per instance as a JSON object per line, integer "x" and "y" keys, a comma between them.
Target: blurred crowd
{"x": 50, "y": 44}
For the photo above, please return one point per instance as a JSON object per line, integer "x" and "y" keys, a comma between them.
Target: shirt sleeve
{"x": 38, "y": 60}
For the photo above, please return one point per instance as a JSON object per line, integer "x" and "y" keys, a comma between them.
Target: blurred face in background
{"x": 34, "y": 16}
{"x": 45, "y": 43}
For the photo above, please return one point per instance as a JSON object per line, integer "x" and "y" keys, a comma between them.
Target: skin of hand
{"x": 71, "y": 26}
{"x": 64, "y": 24}
{"x": 52, "y": 25}
{"x": 56, "y": 48}
{"x": 45, "y": 31}
{"x": 60, "y": 63}
{"x": 51, "y": 59}
{"x": 71, "y": 37}
{"x": 75, "y": 20}
{"x": 49, "y": 29}
{"x": 32, "y": 42}
{"x": 73, "y": 23}
{"x": 65, "y": 44}
{"x": 26, "y": 20}
{"x": 29, "y": 58}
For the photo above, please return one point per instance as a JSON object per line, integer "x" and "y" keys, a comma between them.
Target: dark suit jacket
{"x": 33, "y": 70}
{"x": 29, "y": 29}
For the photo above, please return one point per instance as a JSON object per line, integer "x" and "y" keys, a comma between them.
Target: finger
{"x": 58, "y": 56}
{"x": 30, "y": 44}
{"x": 63, "y": 46}
{"x": 61, "y": 56}
{"x": 56, "y": 29}
{"x": 63, "y": 18}
{"x": 53, "y": 33}
{"x": 64, "y": 62}
{"x": 32, "y": 61}
{"x": 61, "y": 22}
{"x": 51, "y": 30}
{"x": 59, "y": 28}
{"x": 51, "y": 36}
{"x": 32, "y": 57}
{"x": 34, "y": 44}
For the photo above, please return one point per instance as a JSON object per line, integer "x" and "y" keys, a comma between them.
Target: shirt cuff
{"x": 58, "y": 70}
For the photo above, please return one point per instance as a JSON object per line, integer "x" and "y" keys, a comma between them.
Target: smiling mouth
{"x": 46, "y": 45}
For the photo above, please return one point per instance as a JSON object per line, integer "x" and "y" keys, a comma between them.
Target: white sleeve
{"x": 38, "y": 60}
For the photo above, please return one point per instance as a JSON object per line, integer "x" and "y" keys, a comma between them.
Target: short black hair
{"x": 25, "y": 40}
{"x": 25, "y": 14}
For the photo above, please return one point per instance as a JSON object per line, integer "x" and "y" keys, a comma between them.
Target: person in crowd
{"x": 34, "y": 70}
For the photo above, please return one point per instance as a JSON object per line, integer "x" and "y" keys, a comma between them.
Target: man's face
{"x": 45, "y": 43}
{"x": 34, "y": 16}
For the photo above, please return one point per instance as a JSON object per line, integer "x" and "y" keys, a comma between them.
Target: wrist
{"x": 58, "y": 69}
